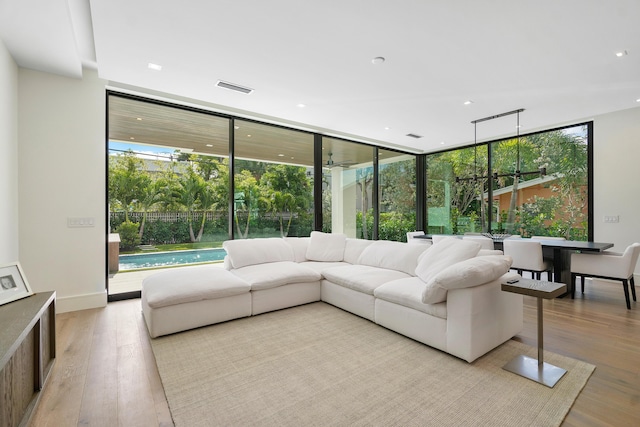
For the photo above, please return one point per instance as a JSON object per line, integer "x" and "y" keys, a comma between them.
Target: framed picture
{"x": 13, "y": 283}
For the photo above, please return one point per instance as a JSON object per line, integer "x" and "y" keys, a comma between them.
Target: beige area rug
{"x": 316, "y": 365}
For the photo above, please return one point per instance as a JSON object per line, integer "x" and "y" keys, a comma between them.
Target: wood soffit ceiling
{"x": 138, "y": 122}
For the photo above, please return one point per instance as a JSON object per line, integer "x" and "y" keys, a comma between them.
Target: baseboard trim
{"x": 81, "y": 302}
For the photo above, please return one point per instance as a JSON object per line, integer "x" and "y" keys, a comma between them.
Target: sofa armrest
{"x": 481, "y": 318}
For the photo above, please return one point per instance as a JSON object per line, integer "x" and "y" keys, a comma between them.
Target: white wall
{"x": 616, "y": 153}
{"x": 8, "y": 157}
{"x": 61, "y": 125}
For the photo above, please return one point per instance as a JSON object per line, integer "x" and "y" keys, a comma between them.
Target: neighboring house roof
{"x": 525, "y": 184}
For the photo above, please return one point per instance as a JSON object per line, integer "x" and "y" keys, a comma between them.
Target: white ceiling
{"x": 554, "y": 58}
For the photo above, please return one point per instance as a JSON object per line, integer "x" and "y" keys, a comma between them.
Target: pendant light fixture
{"x": 517, "y": 173}
{"x": 542, "y": 171}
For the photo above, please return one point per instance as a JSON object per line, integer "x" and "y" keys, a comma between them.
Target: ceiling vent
{"x": 231, "y": 86}
{"x": 413, "y": 135}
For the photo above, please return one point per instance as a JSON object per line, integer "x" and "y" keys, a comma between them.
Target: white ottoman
{"x": 181, "y": 299}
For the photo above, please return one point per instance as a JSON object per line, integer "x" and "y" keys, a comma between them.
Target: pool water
{"x": 162, "y": 259}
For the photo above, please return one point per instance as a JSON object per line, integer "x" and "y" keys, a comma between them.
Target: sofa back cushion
{"x": 246, "y": 252}
{"x": 326, "y": 246}
{"x": 443, "y": 254}
{"x": 465, "y": 274}
{"x": 392, "y": 255}
{"x": 353, "y": 249}
{"x": 299, "y": 245}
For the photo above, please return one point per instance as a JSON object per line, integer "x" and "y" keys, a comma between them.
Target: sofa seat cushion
{"x": 362, "y": 278}
{"x": 179, "y": 286}
{"x": 274, "y": 274}
{"x": 392, "y": 256}
{"x": 320, "y": 266}
{"x": 408, "y": 292}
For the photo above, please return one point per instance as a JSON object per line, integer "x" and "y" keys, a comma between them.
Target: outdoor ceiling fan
{"x": 331, "y": 163}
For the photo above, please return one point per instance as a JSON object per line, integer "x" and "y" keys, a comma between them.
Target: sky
{"x": 143, "y": 151}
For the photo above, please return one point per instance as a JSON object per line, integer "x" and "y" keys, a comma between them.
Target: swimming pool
{"x": 162, "y": 259}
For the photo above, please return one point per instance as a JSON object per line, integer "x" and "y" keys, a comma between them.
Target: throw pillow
{"x": 465, "y": 274}
{"x": 445, "y": 253}
{"x": 473, "y": 272}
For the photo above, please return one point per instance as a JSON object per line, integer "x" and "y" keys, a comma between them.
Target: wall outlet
{"x": 611, "y": 218}
{"x": 80, "y": 222}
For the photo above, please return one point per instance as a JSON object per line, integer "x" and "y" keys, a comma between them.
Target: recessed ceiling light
{"x": 209, "y": 145}
{"x": 138, "y": 118}
{"x": 468, "y": 102}
{"x": 301, "y": 105}
{"x": 155, "y": 67}
{"x": 638, "y": 100}
{"x": 387, "y": 128}
{"x": 378, "y": 60}
{"x": 441, "y": 142}
{"x": 132, "y": 138}
{"x": 280, "y": 155}
{"x": 622, "y": 53}
{"x": 236, "y": 127}
{"x": 249, "y": 136}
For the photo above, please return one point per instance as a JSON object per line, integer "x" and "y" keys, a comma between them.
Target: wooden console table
{"x": 27, "y": 354}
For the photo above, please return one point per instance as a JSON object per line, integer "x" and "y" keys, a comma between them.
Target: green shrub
{"x": 129, "y": 237}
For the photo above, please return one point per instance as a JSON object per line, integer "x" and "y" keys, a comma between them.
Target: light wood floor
{"x": 105, "y": 373}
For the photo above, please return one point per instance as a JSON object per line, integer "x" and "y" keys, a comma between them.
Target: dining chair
{"x": 607, "y": 265}
{"x": 412, "y": 240}
{"x": 435, "y": 238}
{"x": 485, "y": 242}
{"x": 547, "y": 253}
{"x": 527, "y": 256}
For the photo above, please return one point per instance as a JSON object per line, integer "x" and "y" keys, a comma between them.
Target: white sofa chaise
{"x": 447, "y": 296}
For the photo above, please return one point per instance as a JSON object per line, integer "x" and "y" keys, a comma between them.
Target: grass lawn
{"x": 176, "y": 247}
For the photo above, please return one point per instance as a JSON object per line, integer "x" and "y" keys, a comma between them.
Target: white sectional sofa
{"x": 447, "y": 296}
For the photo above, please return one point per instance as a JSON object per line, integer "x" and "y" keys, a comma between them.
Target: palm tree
{"x": 286, "y": 189}
{"x": 186, "y": 192}
{"x": 246, "y": 188}
{"x": 208, "y": 200}
{"x": 149, "y": 196}
{"x": 127, "y": 181}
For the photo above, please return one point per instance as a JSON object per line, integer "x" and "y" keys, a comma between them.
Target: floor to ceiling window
{"x": 168, "y": 181}
{"x": 347, "y": 183}
{"x": 273, "y": 180}
{"x": 550, "y": 196}
{"x": 397, "y": 188}
{"x": 456, "y": 180}
{"x": 539, "y": 186}
{"x": 184, "y": 180}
